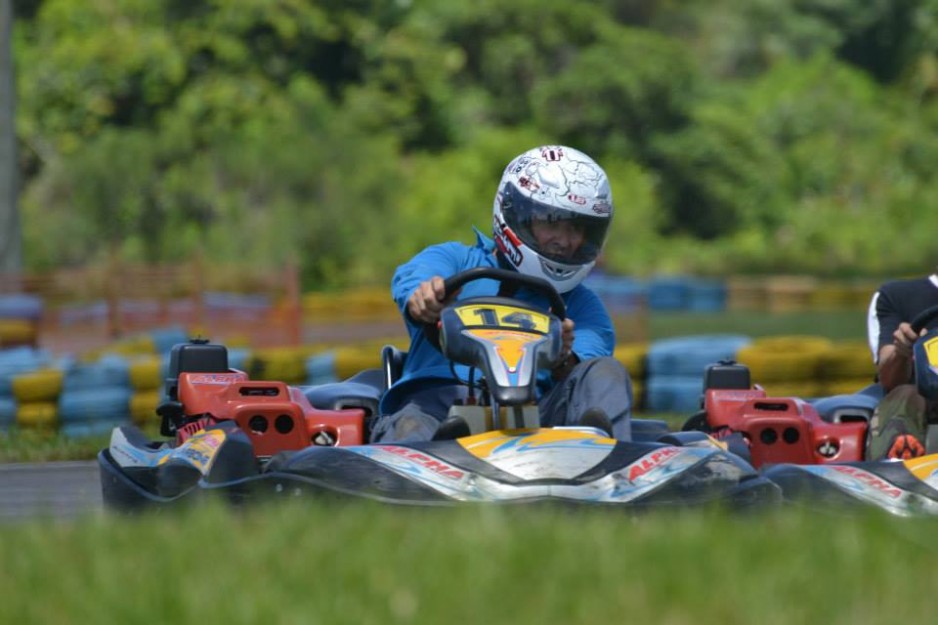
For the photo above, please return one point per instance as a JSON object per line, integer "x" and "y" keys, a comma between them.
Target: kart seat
{"x": 845, "y": 408}
{"x": 359, "y": 391}
{"x": 362, "y": 390}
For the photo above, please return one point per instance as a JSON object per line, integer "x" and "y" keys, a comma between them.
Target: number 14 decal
{"x": 504, "y": 317}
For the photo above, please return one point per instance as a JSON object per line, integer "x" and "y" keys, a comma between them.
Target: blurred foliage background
{"x": 758, "y": 136}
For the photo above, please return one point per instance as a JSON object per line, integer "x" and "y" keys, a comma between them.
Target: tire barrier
{"x": 706, "y": 296}
{"x": 145, "y": 373}
{"x": 109, "y": 371}
{"x": 21, "y": 306}
{"x": 84, "y": 429}
{"x": 14, "y": 332}
{"x": 633, "y": 357}
{"x": 37, "y": 386}
{"x": 7, "y": 412}
{"x": 784, "y": 358}
{"x": 746, "y": 293}
{"x": 320, "y": 368}
{"x": 680, "y": 394}
{"x": 847, "y": 386}
{"x": 94, "y": 404}
{"x": 143, "y": 406}
{"x": 690, "y": 355}
{"x": 74, "y": 394}
{"x": 340, "y": 362}
{"x": 38, "y": 415}
{"x": 675, "y": 368}
{"x": 351, "y": 360}
{"x": 625, "y": 294}
{"x": 621, "y": 295}
{"x": 287, "y": 364}
{"x": 668, "y": 293}
{"x": 790, "y": 293}
{"x": 638, "y": 396}
{"x": 18, "y": 360}
{"x": 164, "y": 338}
{"x": 131, "y": 346}
{"x": 846, "y": 360}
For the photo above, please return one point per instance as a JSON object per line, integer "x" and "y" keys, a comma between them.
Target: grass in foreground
{"x": 36, "y": 446}
{"x": 367, "y": 563}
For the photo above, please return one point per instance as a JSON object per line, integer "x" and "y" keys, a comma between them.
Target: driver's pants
{"x": 601, "y": 383}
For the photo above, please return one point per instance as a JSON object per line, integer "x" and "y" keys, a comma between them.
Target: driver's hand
{"x": 903, "y": 339}
{"x": 566, "y": 336}
{"x": 426, "y": 302}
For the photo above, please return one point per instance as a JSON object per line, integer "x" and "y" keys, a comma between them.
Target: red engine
{"x": 783, "y": 429}
{"x": 275, "y": 416}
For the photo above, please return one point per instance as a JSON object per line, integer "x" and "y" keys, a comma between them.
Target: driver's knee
{"x": 409, "y": 424}
{"x": 604, "y": 383}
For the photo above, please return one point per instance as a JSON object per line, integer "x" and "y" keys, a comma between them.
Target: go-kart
{"x": 248, "y": 439}
{"x": 815, "y": 450}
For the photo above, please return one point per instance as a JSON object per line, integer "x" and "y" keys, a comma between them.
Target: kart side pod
{"x": 781, "y": 429}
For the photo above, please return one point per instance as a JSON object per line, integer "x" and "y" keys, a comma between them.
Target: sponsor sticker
{"x": 201, "y": 449}
{"x": 214, "y": 378}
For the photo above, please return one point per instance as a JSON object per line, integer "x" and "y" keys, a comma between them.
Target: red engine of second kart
{"x": 783, "y": 429}
{"x": 275, "y": 416}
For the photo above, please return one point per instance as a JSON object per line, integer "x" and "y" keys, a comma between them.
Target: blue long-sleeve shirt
{"x": 594, "y": 333}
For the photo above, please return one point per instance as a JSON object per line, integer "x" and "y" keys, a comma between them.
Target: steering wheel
{"x": 506, "y": 276}
{"x": 924, "y": 319}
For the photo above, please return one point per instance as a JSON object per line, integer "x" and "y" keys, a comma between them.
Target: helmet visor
{"x": 557, "y": 234}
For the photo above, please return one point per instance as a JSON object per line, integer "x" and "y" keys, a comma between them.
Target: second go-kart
{"x": 247, "y": 439}
{"x": 816, "y": 450}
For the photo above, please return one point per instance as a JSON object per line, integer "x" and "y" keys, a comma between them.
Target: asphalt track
{"x": 59, "y": 490}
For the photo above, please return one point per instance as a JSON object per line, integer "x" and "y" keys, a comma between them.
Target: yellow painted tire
{"x": 283, "y": 364}
{"x": 847, "y": 359}
{"x": 744, "y": 293}
{"x": 790, "y": 293}
{"x": 17, "y": 332}
{"x": 638, "y": 395}
{"x": 142, "y": 345}
{"x": 845, "y": 386}
{"x": 37, "y": 386}
{"x": 143, "y": 407}
{"x": 784, "y": 358}
{"x": 145, "y": 373}
{"x": 350, "y": 360}
{"x": 38, "y": 415}
{"x": 632, "y": 356}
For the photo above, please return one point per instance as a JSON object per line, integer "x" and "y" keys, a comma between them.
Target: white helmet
{"x": 562, "y": 187}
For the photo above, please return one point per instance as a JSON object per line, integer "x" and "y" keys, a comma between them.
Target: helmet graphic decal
{"x": 507, "y": 242}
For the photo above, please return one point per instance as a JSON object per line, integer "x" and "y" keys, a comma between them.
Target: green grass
{"x": 32, "y": 446}
{"x": 366, "y": 563}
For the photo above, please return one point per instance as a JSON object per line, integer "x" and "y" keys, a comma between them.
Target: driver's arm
{"x": 417, "y": 285}
{"x": 895, "y": 360}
